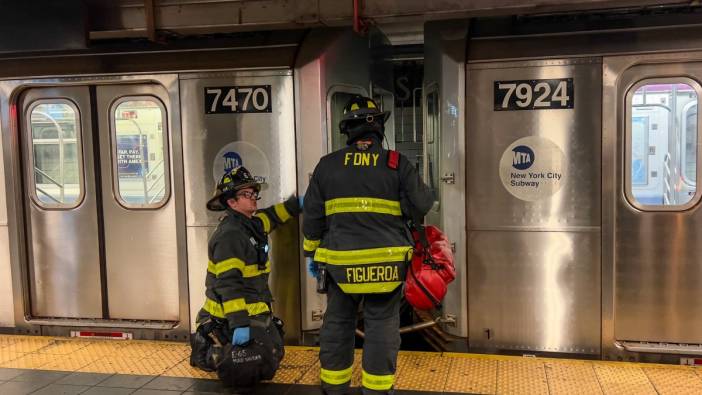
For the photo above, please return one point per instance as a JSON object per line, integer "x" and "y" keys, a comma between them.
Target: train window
{"x": 56, "y": 153}
{"x": 662, "y": 144}
{"x": 432, "y": 142}
{"x": 140, "y": 152}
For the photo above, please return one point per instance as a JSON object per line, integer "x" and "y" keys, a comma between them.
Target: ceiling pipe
{"x": 359, "y": 24}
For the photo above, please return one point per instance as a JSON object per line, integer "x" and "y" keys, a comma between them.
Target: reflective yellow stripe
{"x": 310, "y": 245}
{"x": 336, "y": 377}
{"x": 214, "y": 308}
{"x": 370, "y": 255}
{"x": 257, "y": 308}
{"x": 281, "y": 212}
{"x": 232, "y": 306}
{"x": 377, "y": 383}
{"x": 369, "y": 288}
{"x": 362, "y": 205}
{"x": 225, "y": 265}
{"x": 266, "y": 221}
{"x": 247, "y": 271}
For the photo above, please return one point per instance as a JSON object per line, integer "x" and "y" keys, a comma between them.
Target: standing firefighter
{"x": 354, "y": 227}
{"x": 237, "y": 334}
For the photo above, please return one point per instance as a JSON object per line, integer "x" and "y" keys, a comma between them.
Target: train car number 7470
{"x": 534, "y": 94}
{"x": 237, "y": 99}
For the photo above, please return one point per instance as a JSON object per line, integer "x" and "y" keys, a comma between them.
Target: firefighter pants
{"x": 381, "y": 317}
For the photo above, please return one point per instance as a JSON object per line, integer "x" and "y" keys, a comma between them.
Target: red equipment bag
{"x": 431, "y": 269}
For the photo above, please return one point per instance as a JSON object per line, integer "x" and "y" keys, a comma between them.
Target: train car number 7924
{"x": 534, "y": 94}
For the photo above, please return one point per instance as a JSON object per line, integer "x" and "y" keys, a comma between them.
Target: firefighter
{"x": 354, "y": 226}
{"x": 237, "y": 307}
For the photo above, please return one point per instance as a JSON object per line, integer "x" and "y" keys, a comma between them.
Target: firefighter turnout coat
{"x": 238, "y": 267}
{"x": 354, "y": 216}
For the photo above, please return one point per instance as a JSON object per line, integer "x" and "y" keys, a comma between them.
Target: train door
{"x": 652, "y": 212}
{"x": 99, "y": 207}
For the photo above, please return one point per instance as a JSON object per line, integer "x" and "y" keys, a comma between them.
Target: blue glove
{"x": 312, "y": 267}
{"x": 301, "y": 199}
{"x": 241, "y": 336}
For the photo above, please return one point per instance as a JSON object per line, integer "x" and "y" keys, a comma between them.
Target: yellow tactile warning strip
{"x": 447, "y": 372}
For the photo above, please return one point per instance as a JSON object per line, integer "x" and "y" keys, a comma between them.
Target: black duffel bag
{"x": 244, "y": 366}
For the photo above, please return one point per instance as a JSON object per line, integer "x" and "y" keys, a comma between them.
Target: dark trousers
{"x": 381, "y": 318}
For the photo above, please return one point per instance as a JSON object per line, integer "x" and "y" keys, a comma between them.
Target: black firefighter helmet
{"x": 234, "y": 180}
{"x": 362, "y": 116}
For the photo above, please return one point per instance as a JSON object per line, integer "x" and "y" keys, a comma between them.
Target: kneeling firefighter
{"x": 355, "y": 210}
{"x": 237, "y": 334}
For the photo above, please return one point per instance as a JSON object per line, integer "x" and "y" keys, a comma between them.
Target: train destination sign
{"x": 238, "y": 99}
{"x": 534, "y": 94}
{"x": 533, "y": 168}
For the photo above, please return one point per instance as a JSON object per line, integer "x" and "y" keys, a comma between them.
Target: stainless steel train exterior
{"x": 564, "y": 165}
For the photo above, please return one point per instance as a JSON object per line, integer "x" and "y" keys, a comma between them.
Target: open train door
{"x": 443, "y": 157}
{"x": 651, "y": 214}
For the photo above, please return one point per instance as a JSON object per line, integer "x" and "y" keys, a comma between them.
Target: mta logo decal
{"x": 231, "y": 160}
{"x": 523, "y": 157}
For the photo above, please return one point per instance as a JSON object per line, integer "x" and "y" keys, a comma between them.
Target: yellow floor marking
{"x": 572, "y": 378}
{"x": 62, "y": 347}
{"x": 294, "y": 365}
{"x": 183, "y": 369}
{"x": 357, "y": 373}
{"x": 447, "y": 372}
{"x": 28, "y": 345}
{"x": 421, "y": 371}
{"x": 69, "y": 363}
{"x": 477, "y": 376}
{"x": 29, "y": 361}
{"x": 7, "y": 356}
{"x": 521, "y": 376}
{"x": 668, "y": 381}
{"x": 623, "y": 380}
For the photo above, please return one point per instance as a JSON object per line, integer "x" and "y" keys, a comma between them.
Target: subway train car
{"x": 563, "y": 159}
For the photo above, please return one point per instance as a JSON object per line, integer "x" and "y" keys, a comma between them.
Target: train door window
{"x": 337, "y": 98}
{"x": 432, "y": 141}
{"x": 689, "y": 128}
{"x": 56, "y": 153}
{"x": 140, "y": 150}
{"x": 662, "y": 150}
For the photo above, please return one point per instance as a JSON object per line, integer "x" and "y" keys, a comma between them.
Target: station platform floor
{"x": 51, "y": 365}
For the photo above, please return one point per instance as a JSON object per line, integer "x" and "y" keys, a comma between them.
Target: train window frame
{"x": 683, "y": 150}
{"x": 79, "y": 153}
{"x": 334, "y": 89}
{"x": 430, "y": 137}
{"x": 627, "y": 168}
{"x": 166, "y": 153}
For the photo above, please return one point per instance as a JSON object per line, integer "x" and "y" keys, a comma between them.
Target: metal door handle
{"x": 448, "y": 178}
